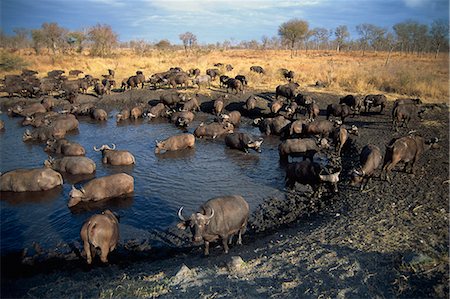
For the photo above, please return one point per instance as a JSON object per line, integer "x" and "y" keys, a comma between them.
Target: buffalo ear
{"x": 183, "y": 225}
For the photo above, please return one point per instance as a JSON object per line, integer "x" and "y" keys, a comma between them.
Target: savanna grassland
{"x": 410, "y": 75}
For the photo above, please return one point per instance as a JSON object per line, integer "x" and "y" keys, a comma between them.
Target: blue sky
{"x": 214, "y": 20}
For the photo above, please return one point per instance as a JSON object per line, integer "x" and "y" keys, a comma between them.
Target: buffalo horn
{"x": 113, "y": 146}
{"x": 98, "y": 149}
{"x": 212, "y": 213}
{"x": 180, "y": 215}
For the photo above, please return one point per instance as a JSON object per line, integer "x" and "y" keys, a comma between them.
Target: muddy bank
{"x": 391, "y": 241}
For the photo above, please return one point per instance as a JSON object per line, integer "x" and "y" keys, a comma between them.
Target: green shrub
{"x": 10, "y": 62}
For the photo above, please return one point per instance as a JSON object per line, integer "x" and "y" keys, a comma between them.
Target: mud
{"x": 390, "y": 240}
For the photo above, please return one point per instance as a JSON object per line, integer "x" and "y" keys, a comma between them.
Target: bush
{"x": 10, "y": 62}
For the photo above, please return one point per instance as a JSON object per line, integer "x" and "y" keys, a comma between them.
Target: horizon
{"x": 215, "y": 21}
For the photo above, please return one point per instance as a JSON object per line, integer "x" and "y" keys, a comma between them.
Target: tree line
{"x": 409, "y": 37}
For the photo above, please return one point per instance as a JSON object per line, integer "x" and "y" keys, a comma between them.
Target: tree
{"x": 103, "y": 39}
{"x": 163, "y": 44}
{"x": 371, "y": 35}
{"x": 38, "y": 39}
{"x": 76, "y": 40}
{"x": 411, "y": 35}
{"x": 439, "y": 35}
{"x": 341, "y": 34}
{"x": 293, "y": 31}
{"x": 189, "y": 39}
{"x": 54, "y": 36}
{"x": 320, "y": 36}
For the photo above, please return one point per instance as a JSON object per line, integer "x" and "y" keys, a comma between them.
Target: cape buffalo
{"x": 102, "y": 188}
{"x": 36, "y": 179}
{"x": 71, "y": 165}
{"x": 310, "y": 173}
{"x": 406, "y": 149}
{"x": 286, "y": 90}
{"x": 115, "y": 157}
{"x": 65, "y": 147}
{"x": 100, "y": 231}
{"x": 243, "y": 141}
{"x": 174, "y": 143}
{"x": 370, "y": 159}
{"x": 218, "y": 218}
{"x": 213, "y": 130}
{"x": 296, "y": 147}
{"x": 375, "y": 100}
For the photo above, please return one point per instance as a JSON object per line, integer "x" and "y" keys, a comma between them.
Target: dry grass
{"x": 349, "y": 72}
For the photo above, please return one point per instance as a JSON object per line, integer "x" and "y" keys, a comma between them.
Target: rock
{"x": 236, "y": 264}
{"x": 183, "y": 275}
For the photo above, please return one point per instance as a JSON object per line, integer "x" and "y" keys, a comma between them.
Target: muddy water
{"x": 163, "y": 183}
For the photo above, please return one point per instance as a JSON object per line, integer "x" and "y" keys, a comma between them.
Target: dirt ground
{"x": 390, "y": 240}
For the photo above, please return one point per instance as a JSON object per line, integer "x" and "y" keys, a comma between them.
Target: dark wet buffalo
{"x": 222, "y": 80}
{"x": 218, "y": 218}
{"x": 354, "y": 102}
{"x": 310, "y": 173}
{"x": 235, "y": 85}
{"x": 257, "y": 69}
{"x": 213, "y": 73}
{"x": 171, "y": 99}
{"x": 370, "y": 160}
{"x": 243, "y": 142}
{"x": 338, "y": 110}
{"x": 406, "y": 149}
{"x": 234, "y": 117}
{"x": 297, "y": 147}
{"x": 273, "y": 126}
{"x": 375, "y": 100}
{"x": 403, "y": 113}
{"x": 320, "y": 127}
{"x": 242, "y": 79}
{"x": 286, "y": 90}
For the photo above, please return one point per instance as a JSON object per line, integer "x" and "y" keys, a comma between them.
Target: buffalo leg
{"x": 230, "y": 239}
{"x": 206, "y": 248}
{"x": 87, "y": 249}
{"x": 225, "y": 244}
{"x": 104, "y": 254}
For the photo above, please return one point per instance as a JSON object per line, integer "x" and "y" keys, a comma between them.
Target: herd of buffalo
{"x": 293, "y": 116}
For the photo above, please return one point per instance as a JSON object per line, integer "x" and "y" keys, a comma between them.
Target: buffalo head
{"x": 198, "y": 224}
{"x": 75, "y": 196}
{"x": 255, "y": 144}
{"x": 105, "y": 147}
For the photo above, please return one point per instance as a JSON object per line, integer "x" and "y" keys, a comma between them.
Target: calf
{"x": 100, "y": 231}
{"x": 370, "y": 159}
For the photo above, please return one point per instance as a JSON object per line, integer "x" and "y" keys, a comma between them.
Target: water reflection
{"x": 35, "y": 197}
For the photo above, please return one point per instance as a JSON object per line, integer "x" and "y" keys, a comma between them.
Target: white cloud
{"x": 113, "y": 3}
{"x": 416, "y": 3}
